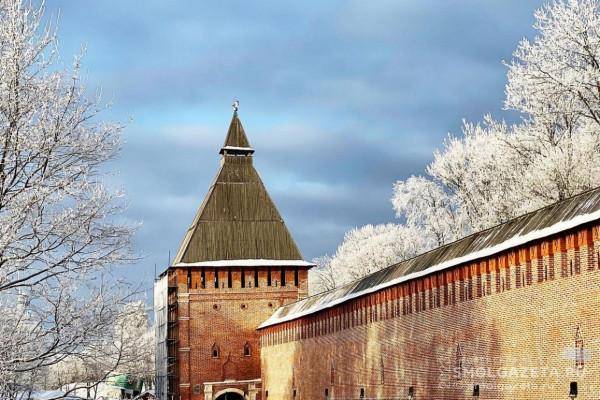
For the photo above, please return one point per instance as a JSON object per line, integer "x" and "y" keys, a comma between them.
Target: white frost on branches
{"x": 554, "y": 82}
{"x": 59, "y": 234}
{"x": 554, "y": 79}
{"x": 364, "y": 250}
{"x": 373, "y": 247}
{"x": 429, "y": 212}
{"x": 496, "y": 171}
{"x": 132, "y": 341}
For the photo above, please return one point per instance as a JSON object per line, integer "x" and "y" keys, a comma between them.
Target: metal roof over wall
{"x": 558, "y": 217}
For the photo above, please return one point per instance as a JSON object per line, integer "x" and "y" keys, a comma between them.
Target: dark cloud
{"x": 340, "y": 99}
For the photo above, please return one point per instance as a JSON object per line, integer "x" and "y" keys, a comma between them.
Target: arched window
{"x": 215, "y": 352}
{"x": 247, "y": 350}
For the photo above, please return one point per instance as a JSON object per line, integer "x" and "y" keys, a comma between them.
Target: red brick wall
{"x": 225, "y": 317}
{"x": 508, "y": 324}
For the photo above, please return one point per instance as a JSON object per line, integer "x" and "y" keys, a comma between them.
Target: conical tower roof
{"x": 237, "y": 219}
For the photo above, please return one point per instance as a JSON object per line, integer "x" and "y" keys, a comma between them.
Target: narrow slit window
{"x": 243, "y": 278}
{"x": 216, "y": 278}
{"x": 458, "y": 364}
{"x": 215, "y": 351}
{"x": 203, "y": 279}
{"x": 229, "y": 278}
{"x": 579, "y": 351}
{"x": 282, "y": 280}
{"x": 269, "y": 277}
{"x": 296, "y": 280}
{"x": 255, "y": 277}
{"x": 332, "y": 373}
{"x": 571, "y": 272}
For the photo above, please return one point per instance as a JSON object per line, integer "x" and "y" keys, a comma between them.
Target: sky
{"x": 340, "y": 99}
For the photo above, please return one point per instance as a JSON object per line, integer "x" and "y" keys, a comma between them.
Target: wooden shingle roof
{"x": 237, "y": 219}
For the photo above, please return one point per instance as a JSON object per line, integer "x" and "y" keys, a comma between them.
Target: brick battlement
{"x": 521, "y": 307}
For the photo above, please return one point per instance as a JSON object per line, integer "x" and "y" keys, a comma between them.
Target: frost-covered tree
{"x": 322, "y": 277}
{"x": 365, "y": 250}
{"x": 496, "y": 171}
{"x": 59, "y": 232}
{"x": 479, "y": 174}
{"x": 131, "y": 341}
{"x": 431, "y": 214}
{"x": 554, "y": 81}
{"x": 136, "y": 339}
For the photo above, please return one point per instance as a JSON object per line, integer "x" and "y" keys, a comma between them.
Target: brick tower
{"x": 236, "y": 265}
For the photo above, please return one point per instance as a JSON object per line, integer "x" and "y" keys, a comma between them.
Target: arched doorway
{"x": 230, "y": 396}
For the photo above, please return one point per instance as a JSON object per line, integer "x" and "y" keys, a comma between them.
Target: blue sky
{"x": 339, "y": 99}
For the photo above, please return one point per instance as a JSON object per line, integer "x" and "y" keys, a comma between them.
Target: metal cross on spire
{"x": 235, "y": 105}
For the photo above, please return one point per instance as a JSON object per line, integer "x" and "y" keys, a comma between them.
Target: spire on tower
{"x": 236, "y": 142}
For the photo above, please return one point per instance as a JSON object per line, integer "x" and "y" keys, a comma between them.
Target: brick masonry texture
{"x": 224, "y": 320}
{"x": 523, "y": 324}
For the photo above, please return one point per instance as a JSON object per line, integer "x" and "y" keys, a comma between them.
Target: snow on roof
{"x": 236, "y": 148}
{"x": 558, "y": 217}
{"x": 247, "y": 263}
